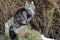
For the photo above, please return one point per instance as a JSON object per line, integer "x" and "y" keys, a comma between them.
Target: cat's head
{"x": 29, "y": 6}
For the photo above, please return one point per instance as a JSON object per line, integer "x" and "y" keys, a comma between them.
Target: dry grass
{"x": 47, "y": 14}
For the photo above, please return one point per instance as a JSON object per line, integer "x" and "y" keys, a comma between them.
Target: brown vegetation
{"x": 47, "y": 14}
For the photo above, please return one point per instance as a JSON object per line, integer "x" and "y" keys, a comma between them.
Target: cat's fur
{"x": 24, "y": 14}
{"x": 21, "y": 16}
{"x": 12, "y": 34}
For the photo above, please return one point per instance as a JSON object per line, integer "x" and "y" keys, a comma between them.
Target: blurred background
{"x": 47, "y": 15}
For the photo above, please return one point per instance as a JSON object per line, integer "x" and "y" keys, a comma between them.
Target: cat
{"x": 21, "y": 16}
{"x": 24, "y": 14}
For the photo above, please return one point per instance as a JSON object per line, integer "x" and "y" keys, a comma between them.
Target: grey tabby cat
{"x": 24, "y": 14}
{"x": 21, "y": 16}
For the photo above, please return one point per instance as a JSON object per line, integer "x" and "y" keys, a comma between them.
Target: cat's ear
{"x": 32, "y": 2}
{"x": 26, "y": 2}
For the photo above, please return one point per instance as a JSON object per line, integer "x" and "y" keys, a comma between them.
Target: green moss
{"x": 31, "y": 35}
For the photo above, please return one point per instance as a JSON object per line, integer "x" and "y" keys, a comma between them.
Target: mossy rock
{"x": 29, "y": 35}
